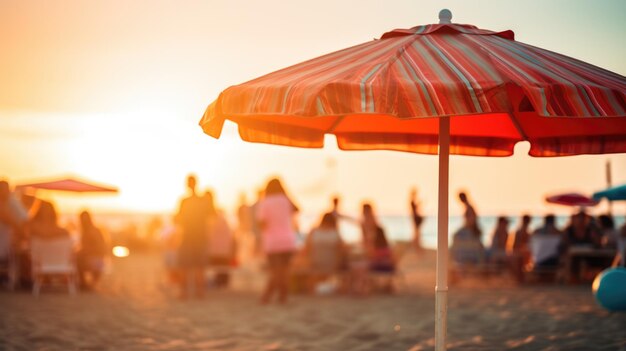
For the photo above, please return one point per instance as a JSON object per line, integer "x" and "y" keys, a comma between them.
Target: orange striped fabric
{"x": 387, "y": 93}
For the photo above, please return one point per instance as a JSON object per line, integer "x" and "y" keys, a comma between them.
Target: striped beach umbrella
{"x": 434, "y": 89}
{"x": 69, "y": 185}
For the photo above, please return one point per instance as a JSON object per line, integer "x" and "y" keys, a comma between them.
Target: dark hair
{"x": 329, "y": 220}
{"x": 503, "y": 219}
{"x": 526, "y": 219}
{"x": 606, "y": 221}
{"x": 462, "y": 196}
{"x": 274, "y": 186}
{"x": 380, "y": 241}
{"x": 549, "y": 219}
{"x": 86, "y": 225}
{"x": 192, "y": 181}
{"x": 85, "y": 220}
{"x": 46, "y": 212}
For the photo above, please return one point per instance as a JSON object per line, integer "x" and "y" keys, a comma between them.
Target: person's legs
{"x": 81, "y": 266}
{"x": 270, "y": 286}
{"x": 283, "y": 283}
{"x": 284, "y": 276}
{"x": 271, "y": 280}
{"x": 198, "y": 275}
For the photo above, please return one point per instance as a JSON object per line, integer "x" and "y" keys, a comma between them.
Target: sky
{"x": 113, "y": 90}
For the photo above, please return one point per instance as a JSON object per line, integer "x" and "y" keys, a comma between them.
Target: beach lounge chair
{"x": 53, "y": 257}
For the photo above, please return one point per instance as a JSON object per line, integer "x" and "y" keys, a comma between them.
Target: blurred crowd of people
{"x": 267, "y": 233}
{"x": 270, "y": 229}
{"x": 544, "y": 248}
{"x": 27, "y": 221}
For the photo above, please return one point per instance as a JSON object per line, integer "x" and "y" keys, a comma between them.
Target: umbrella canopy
{"x": 572, "y": 199}
{"x": 383, "y": 94}
{"x": 70, "y": 185}
{"x": 441, "y": 88}
{"x": 612, "y": 194}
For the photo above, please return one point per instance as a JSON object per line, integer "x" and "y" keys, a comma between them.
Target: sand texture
{"x": 132, "y": 309}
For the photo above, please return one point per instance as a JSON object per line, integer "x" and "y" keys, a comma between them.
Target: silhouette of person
{"x": 418, "y": 219}
{"x": 192, "y": 217}
{"x": 93, "y": 250}
{"x": 275, "y": 214}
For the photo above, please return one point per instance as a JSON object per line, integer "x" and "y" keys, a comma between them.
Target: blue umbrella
{"x": 612, "y": 194}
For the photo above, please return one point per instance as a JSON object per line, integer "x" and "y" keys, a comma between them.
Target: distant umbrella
{"x": 612, "y": 194}
{"x": 572, "y": 199}
{"x": 70, "y": 185}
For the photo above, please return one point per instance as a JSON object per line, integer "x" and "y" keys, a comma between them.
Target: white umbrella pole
{"x": 441, "y": 287}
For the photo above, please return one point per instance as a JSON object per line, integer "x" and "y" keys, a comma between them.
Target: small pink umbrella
{"x": 70, "y": 185}
{"x": 572, "y": 199}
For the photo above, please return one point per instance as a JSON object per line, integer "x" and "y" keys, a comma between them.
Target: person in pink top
{"x": 275, "y": 214}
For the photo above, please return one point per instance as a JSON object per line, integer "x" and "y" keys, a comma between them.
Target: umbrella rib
{"x": 518, "y": 126}
{"x": 331, "y": 129}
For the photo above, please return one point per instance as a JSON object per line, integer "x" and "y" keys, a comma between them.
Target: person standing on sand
{"x": 418, "y": 219}
{"x": 94, "y": 249}
{"x": 243, "y": 232}
{"x": 255, "y": 227}
{"x": 192, "y": 217}
{"x": 275, "y": 214}
{"x": 335, "y": 210}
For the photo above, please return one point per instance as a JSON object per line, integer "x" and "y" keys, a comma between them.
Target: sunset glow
{"x": 384, "y": 197}
{"x": 103, "y": 107}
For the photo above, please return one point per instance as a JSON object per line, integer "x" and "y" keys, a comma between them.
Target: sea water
{"x": 397, "y": 227}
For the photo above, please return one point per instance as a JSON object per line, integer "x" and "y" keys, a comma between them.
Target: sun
{"x": 148, "y": 161}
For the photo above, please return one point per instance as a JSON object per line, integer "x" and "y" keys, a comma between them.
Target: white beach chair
{"x": 53, "y": 257}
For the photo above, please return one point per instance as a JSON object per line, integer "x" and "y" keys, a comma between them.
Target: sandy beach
{"x": 133, "y": 309}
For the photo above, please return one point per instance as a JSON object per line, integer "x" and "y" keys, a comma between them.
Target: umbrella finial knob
{"x": 445, "y": 16}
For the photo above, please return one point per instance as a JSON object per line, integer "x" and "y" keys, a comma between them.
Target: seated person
{"x": 582, "y": 232}
{"x": 94, "y": 249}
{"x": 546, "y": 244}
{"x": 222, "y": 247}
{"x": 497, "y": 252}
{"x": 325, "y": 251}
{"x": 381, "y": 256}
{"x": 467, "y": 247}
{"x": 519, "y": 243}
{"x": 44, "y": 223}
{"x": 608, "y": 233}
{"x": 324, "y": 247}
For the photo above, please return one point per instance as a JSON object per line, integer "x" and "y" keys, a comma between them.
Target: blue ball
{"x": 609, "y": 288}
